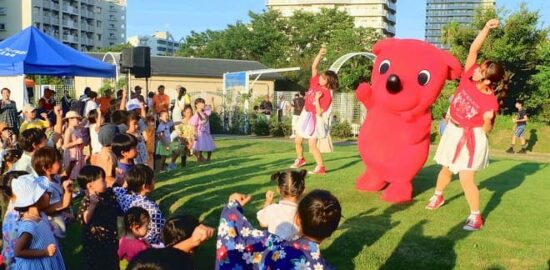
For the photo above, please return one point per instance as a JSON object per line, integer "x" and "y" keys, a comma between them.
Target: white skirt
{"x": 448, "y": 146}
{"x": 305, "y": 128}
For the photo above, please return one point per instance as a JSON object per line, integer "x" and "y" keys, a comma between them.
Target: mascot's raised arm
{"x": 407, "y": 77}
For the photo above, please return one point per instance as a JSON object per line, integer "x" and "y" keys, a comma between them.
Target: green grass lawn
{"x": 374, "y": 234}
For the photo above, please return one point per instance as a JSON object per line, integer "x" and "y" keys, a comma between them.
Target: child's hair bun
{"x": 277, "y": 175}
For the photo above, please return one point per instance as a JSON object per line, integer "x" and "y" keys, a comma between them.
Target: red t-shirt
{"x": 314, "y": 87}
{"x": 469, "y": 104}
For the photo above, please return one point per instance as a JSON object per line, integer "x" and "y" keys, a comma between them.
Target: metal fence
{"x": 345, "y": 106}
{"x": 59, "y": 92}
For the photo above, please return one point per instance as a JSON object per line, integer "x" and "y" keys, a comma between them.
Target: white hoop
{"x": 340, "y": 61}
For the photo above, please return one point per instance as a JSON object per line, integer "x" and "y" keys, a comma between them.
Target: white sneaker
{"x": 292, "y": 136}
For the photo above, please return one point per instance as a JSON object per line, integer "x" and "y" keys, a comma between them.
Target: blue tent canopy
{"x": 33, "y": 52}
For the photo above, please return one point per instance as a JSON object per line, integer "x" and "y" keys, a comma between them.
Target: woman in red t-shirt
{"x": 312, "y": 124}
{"x": 464, "y": 148}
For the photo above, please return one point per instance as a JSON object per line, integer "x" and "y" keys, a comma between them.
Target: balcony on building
{"x": 46, "y": 4}
{"x": 69, "y": 24}
{"x": 70, "y": 38}
{"x": 70, "y": 9}
{"x": 54, "y": 5}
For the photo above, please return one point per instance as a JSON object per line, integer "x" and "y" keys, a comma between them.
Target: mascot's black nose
{"x": 394, "y": 84}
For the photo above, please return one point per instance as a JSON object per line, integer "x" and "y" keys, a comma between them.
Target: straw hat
{"x": 28, "y": 108}
{"x": 72, "y": 114}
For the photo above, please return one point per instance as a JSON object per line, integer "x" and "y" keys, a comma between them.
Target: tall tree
{"x": 282, "y": 42}
{"x": 115, "y": 48}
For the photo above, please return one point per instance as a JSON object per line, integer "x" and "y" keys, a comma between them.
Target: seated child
{"x": 140, "y": 182}
{"x": 239, "y": 244}
{"x": 162, "y": 259}
{"x": 136, "y": 222}
{"x": 279, "y": 218}
{"x": 98, "y": 214}
{"x": 184, "y": 232}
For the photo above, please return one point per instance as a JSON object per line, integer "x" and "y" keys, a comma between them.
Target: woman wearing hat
{"x": 73, "y": 143}
{"x": 35, "y": 247}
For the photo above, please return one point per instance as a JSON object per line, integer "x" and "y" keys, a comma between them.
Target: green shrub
{"x": 545, "y": 112}
{"x": 216, "y": 123}
{"x": 260, "y": 127}
{"x": 341, "y": 130}
{"x": 281, "y": 129}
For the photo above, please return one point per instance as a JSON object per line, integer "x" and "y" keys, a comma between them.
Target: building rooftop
{"x": 199, "y": 67}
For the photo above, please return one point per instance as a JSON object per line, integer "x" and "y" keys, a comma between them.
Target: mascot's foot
{"x": 367, "y": 182}
{"x": 398, "y": 193}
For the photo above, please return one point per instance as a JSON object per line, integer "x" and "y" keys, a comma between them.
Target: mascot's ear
{"x": 455, "y": 69}
{"x": 381, "y": 44}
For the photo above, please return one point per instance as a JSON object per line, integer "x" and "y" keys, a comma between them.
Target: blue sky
{"x": 180, "y": 17}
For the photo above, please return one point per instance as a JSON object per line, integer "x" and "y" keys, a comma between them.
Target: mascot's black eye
{"x": 424, "y": 77}
{"x": 384, "y": 66}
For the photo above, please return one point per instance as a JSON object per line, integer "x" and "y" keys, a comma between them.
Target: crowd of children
{"x": 110, "y": 154}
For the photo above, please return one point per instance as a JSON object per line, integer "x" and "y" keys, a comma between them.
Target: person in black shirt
{"x": 298, "y": 105}
{"x": 520, "y": 121}
{"x": 266, "y": 107}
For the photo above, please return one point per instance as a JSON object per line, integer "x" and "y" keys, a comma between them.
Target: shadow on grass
{"x": 171, "y": 193}
{"x": 360, "y": 231}
{"x": 425, "y": 179}
{"x": 234, "y": 147}
{"x": 504, "y": 182}
{"x": 364, "y": 230}
{"x": 417, "y": 251}
{"x": 533, "y": 139}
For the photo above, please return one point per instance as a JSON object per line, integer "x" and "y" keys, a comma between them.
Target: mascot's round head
{"x": 409, "y": 74}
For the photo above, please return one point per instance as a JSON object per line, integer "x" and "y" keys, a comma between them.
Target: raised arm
{"x": 123, "y": 101}
{"x": 58, "y": 128}
{"x": 317, "y": 61}
{"x": 478, "y": 42}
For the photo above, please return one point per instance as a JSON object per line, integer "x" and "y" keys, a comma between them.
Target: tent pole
{"x": 128, "y": 85}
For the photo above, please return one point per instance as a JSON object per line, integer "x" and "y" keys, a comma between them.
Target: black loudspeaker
{"x": 142, "y": 62}
{"x": 138, "y": 60}
{"x": 126, "y": 58}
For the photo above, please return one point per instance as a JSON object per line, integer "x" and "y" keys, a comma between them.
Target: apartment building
{"x": 441, "y": 12}
{"x": 377, "y": 14}
{"x": 85, "y": 25}
{"x": 161, "y": 43}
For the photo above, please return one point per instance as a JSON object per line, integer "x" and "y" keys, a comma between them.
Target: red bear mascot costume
{"x": 394, "y": 140}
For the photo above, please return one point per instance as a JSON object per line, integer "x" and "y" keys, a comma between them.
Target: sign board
{"x": 236, "y": 82}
